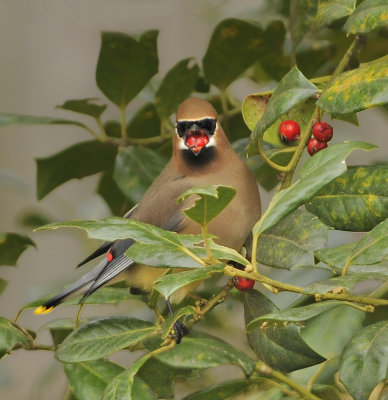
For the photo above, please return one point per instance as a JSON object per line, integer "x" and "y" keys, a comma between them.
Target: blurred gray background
{"x": 49, "y": 50}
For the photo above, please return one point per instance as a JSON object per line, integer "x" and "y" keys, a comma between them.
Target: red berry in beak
{"x": 322, "y": 131}
{"x": 289, "y": 131}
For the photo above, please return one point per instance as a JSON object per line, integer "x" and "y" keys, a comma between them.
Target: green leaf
{"x": 368, "y": 16}
{"x": 89, "y": 379}
{"x": 348, "y": 282}
{"x": 291, "y": 242}
{"x": 60, "y": 329}
{"x": 176, "y": 86}
{"x": 336, "y": 258}
{"x": 128, "y": 386}
{"x": 101, "y": 337}
{"x": 317, "y": 172}
{"x": 356, "y": 90}
{"x": 16, "y": 119}
{"x": 3, "y": 285}
{"x": 135, "y": 169}
{"x": 75, "y": 162}
{"x": 212, "y": 200}
{"x": 145, "y": 123}
{"x": 113, "y": 196}
{"x": 281, "y": 347}
{"x": 160, "y": 377}
{"x": 205, "y": 351}
{"x": 351, "y": 118}
{"x": 227, "y": 390}
{"x": 291, "y": 90}
{"x": 235, "y": 38}
{"x": 11, "y": 338}
{"x": 168, "y": 284}
{"x": 364, "y": 362}
{"x": 170, "y": 321}
{"x": 84, "y": 106}
{"x": 318, "y": 332}
{"x": 298, "y": 314}
{"x": 12, "y": 245}
{"x": 125, "y": 65}
{"x": 330, "y": 11}
{"x": 301, "y": 19}
{"x": 355, "y": 201}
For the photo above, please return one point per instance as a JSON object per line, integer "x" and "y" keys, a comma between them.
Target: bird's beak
{"x": 196, "y": 138}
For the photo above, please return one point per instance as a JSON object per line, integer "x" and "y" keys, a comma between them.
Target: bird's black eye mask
{"x": 207, "y": 124}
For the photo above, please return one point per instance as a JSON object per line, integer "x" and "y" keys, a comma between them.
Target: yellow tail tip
{"x": 42, "y": 310}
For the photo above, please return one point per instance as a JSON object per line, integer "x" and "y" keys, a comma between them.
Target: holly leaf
{"x": 75, "y": 162}
{"x": 176, "y": 86}
{"x": 84, "y": 106}
{"x": 280, "y": 347}
{"x": 212, "y": 200}
{"x": 125, "y": 65}
{"x": 232, "y": 37}
{"x": 291, "y": 90}
{"x": 12, "y": 245}
{"x": 364, "y": 362}
{"x": 291, "y": 242}
{"x": 330, "y": 11}
{"x": 135, "y": 170}
{"x": 368, "y": 16}
{"x": 103, "y": 336}
{"x": 356, "y": 90}
{"x": 89, "y": 379}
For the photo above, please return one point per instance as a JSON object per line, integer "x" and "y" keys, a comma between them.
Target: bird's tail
{"x": 82, "y": 285}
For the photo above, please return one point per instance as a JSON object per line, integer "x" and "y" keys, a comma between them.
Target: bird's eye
{"x": 182, "y": 127}
{"x": 208, "y": 124}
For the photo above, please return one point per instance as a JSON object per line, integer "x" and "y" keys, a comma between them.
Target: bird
{"x": 202, "y": 156}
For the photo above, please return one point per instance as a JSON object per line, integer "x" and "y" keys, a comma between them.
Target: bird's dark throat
{"x": 204, "y": 157}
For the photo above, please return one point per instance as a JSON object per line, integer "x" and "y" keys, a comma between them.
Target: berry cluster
{"x": 323, "y": 132}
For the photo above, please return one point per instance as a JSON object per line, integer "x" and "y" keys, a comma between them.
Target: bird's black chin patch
{"x": 205, "y": 156}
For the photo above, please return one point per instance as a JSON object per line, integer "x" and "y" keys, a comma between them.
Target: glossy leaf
{"x": 298, "y": 314}
{"x": 17, "y": 119}
{"x": 75, "y": 162}
{"x": 318, "y": 332}
{"x": 236, "y": 40}
{"x": 212, "y": 200}
{"x": 351, "y": 118}
{"x": 364, "y": 362}
{"x": 168, "y": 284}
{"x": 291, "y": 242}
{"x": 160, "y": 377}
{"x": 107, "y": 188}
{"x": 101, "y": 337}
{"x": 11, "y": 338}
{"x": 369, "y": 15}
{"x": 336, "y": 258}
{"x": 355, "y": 201}
{"x": 89, "y": 379}
{"x": 3, "y": 285}
{"x": 125, "y": 65}
{"x": 12, "y": 245}
{"x": 356, "y": 90}
{"x": 135, "y": 169}
{"x": 84, "y": 106}
{"x": 280, "y": 347}
{"x": 176, "y": 86}
{"x": 60, "y": 329}
{"x": 227, "y": 390}
{"x": 330, "y": 11}
{"x": 128, "y": 386}
{"x": 317, "y": 172}
{"x": 302, "y": 15}
{"x": 204, "y": 351}
{"x": 145, "y": 123}
{"x": 291, "y": 90}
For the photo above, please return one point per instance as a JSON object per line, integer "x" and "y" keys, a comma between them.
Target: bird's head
{"x": 196, "y": 125}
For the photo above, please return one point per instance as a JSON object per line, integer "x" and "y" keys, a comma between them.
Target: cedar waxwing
{"x": 202, "y": 156}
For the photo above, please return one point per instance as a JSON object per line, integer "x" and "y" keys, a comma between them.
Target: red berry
{"x": 314, "y": 146}
{"x": 243, "y": 284}
{"x": 289, "y": 130}
{"x": 322, "y": 131}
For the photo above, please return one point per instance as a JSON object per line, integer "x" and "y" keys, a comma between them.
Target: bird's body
{"x": 202, "y": 156}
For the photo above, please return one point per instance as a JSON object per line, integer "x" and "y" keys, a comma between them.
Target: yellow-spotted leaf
{"x": 332, "y": 10}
